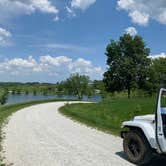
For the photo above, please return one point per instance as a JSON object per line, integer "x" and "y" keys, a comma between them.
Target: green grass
{"x": 109, "y": 114}
{"x": 6, "y": 111}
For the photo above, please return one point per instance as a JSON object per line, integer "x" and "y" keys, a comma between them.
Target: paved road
{"x": 40, "y": 136}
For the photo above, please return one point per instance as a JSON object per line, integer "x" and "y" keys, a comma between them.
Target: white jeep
{"x": 146, "y": 134}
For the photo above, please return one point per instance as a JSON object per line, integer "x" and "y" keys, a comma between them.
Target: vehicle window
{"x": 163, "y": 102}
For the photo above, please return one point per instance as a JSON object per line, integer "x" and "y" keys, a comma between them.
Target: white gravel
{"x": 40, "y": 136}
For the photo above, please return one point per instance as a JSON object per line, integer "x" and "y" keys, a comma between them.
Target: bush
{"x": 3, "y": 97}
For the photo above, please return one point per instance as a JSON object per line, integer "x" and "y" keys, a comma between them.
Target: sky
{"x": 47, "y": 40}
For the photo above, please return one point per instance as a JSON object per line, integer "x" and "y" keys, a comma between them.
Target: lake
{"x": 20, "y": 98}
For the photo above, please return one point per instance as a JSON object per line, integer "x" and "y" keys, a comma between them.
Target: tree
{"x": 60, "y": 89}
{"x": 99, "y": 87}
{"x": 3, "y": 96}
{"x": 156, "y": 76}
{"x": 77, "y": 85}
{"x": 159, "y": 67}
{"x": 26, "y": 92}
{"x": 34, "y": 92}
{"x": 128, "y": 62}
{"x": 152, "y": 82}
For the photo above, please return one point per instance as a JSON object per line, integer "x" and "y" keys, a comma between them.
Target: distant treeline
{"x": 29, "y": 87}
{"x": 44, "y": 88}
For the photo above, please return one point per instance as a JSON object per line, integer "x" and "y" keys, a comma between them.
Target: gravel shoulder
{"x": 40, "y": 136}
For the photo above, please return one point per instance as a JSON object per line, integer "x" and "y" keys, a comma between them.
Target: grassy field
{"x": 109, "y": 114}
{"x": 6, "y": 111}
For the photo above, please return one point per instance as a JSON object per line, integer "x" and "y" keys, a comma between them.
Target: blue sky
{"x": 47, "y": 40}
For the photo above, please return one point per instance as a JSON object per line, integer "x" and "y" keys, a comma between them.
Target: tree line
{"x": 18, "y": 88}
{"x": 29, "y": 87}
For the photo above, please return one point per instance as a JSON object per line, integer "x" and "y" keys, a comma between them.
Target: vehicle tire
{"x": 137, "y": 148}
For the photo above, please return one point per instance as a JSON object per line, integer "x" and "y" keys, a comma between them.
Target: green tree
{"x": 99, "y": 87}
{"x": 156, "y": 76}
{"x": 13, "y": 91}
{"x": 128, "y": 63}
{"x": 152, "y": 82}
{"x": 159, "y": 67}
{"x": 18, "y": 91}
{"x": 60, "y": 88}
{"x": 78, "y": 85}
{"x": 3, "y": 96}
{"x": 26, "y": 92}
{"x": 34, "y": 92}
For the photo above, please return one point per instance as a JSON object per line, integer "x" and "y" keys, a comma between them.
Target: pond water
{"x": 20, "y": 98}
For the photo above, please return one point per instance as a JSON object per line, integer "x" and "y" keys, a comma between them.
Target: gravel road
{"x": 40, "y": 136}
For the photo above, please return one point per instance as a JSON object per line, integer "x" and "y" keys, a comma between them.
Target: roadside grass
{"x": 7, "y": 110}
{"x": 110, "y": 113}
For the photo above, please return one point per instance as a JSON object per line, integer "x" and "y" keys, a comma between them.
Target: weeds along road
{"x": 40, "y": 136}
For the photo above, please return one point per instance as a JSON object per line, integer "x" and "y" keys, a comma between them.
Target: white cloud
{"x": 131, "y": 30}
{"x": 80, "y": 65}
{"x": 5, "y": 36}
{"x": 11, "y": 8}
{"x": 70, "y": 11}
{"x": 78, "y": 4}
{"x": 82, "y": 4}
{"x": 44, "y": 6}
{"x": 64, "y": 46}
{"x": 86, "y": 67}
{"x": 142, "y": 11}
{"x": 56, "y": 19}
{"x": 162, "y": 55}
{"x": 55, "y": 61}
{"x": 61, "y": 67}
{"x": 60, "y": 46}
{"x": 139, "y": 18}
{"x": 19, "y": 62}
{"x": 162, "y": 17}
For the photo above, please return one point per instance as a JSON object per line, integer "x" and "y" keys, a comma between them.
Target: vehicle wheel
{"x": 136, "y": 148}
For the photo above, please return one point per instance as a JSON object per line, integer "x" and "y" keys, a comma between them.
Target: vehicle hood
{"x": 150, "y": 117}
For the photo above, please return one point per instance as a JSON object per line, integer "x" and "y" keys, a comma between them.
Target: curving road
{"x": 40, "y": 136}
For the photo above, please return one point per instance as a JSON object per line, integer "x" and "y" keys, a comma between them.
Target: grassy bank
{"x": 6, "y": 111}
{"x": 109, "y": 114}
